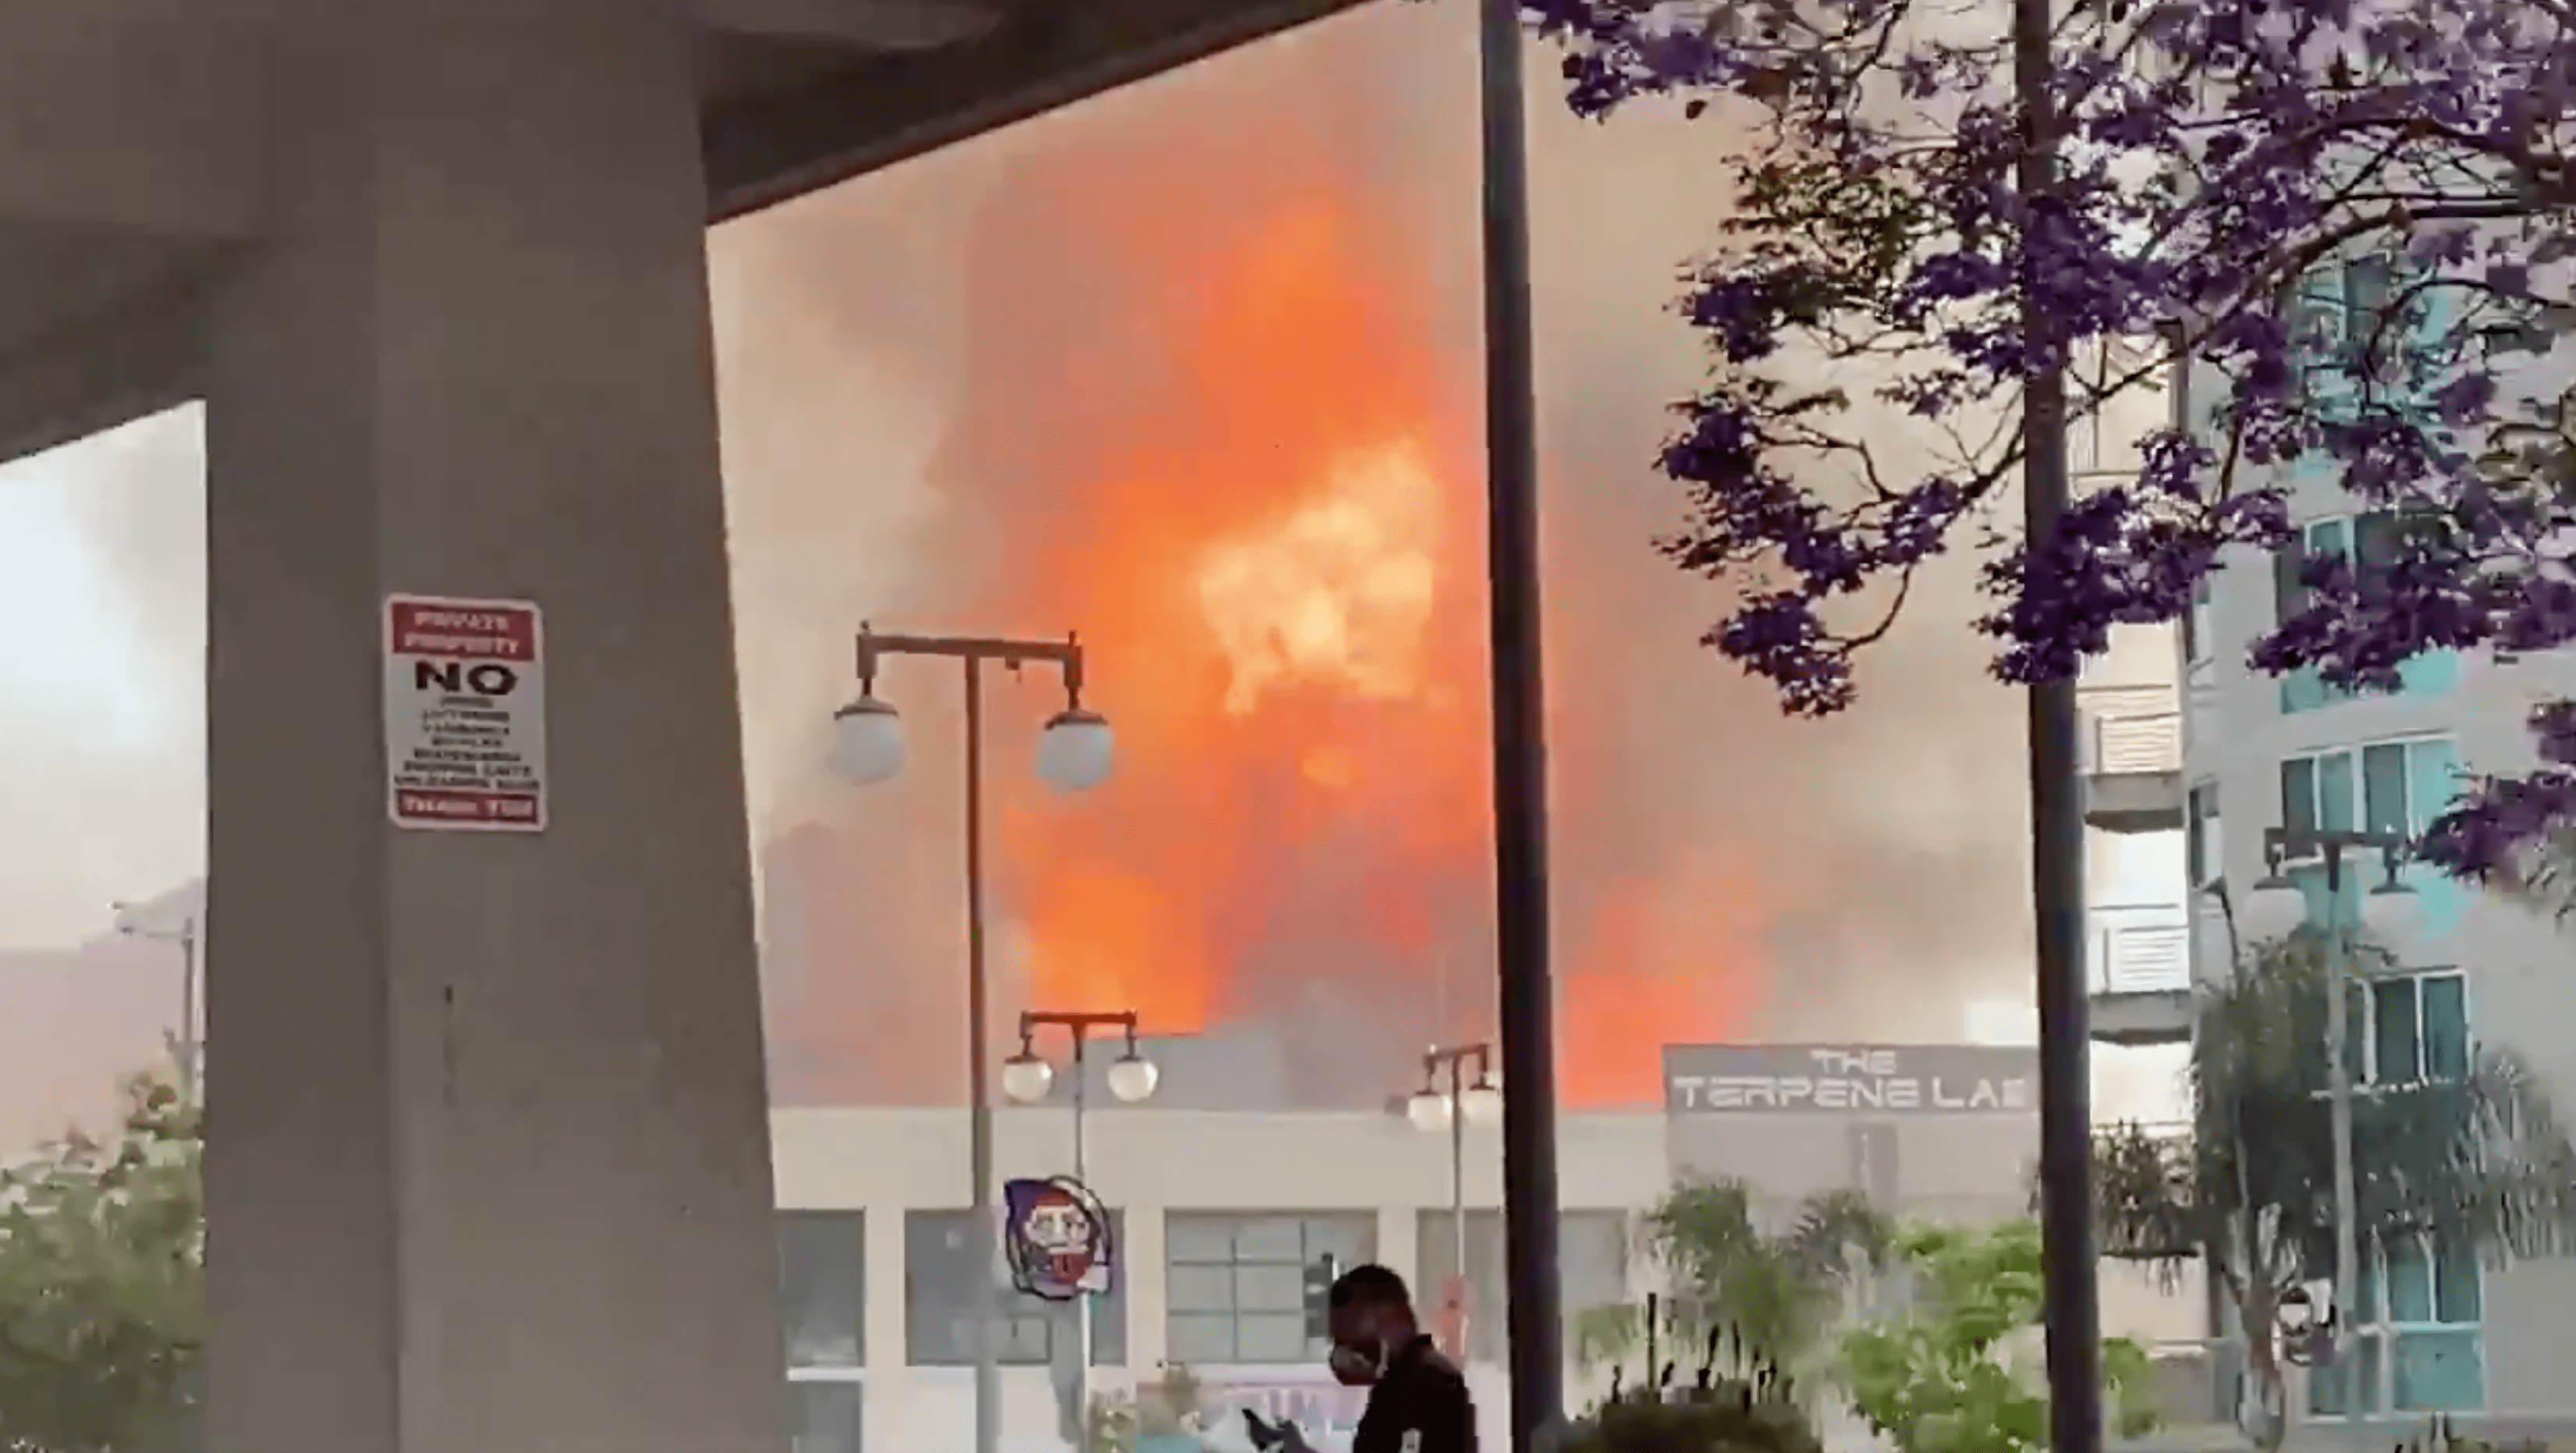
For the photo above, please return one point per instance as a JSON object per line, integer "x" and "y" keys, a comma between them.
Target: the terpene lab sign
{"x": 465, "y": 714}
{"x": 1722, "y": 1079}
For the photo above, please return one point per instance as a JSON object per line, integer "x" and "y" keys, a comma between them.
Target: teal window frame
{"x": 2394, "y": 784}
{"x": 2373, "y": 533}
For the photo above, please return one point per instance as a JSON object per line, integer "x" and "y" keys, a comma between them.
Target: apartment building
{"x": 2240, "y": 752}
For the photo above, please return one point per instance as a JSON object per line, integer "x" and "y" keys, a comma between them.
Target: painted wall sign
{"x": 1057, "y": 1239}
{"x": 1773, "y": 1079}
{"x": 465, "y": 714}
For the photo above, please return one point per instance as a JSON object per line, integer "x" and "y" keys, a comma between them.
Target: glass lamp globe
{"x": 2392, "y": 913}
{"x": 1076, "y": 751}
{"x": 1132, "y": 1078}
{"x": 867, "y": 742}
{"x": 2274, "y": 909}
{"x": 1026, "y": 1077}
{"x": 1483, "y": 1102}
{"x": 1428, "y": 1110}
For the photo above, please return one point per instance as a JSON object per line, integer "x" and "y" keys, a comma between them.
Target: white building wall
{"x": 1146, "y": 1164}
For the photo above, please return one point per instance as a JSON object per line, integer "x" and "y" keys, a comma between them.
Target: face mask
{"x": 1357, "y": 1364}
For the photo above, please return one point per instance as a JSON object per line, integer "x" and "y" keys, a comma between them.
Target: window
{"x": 944, "y": 1275}
{"x": 2376, "y": 540}
{"x": 2409, "y": 1028}
{"x": 2420, "y": 1347}
{"x": 2197, "y": 624}
{"x": 2318, "y": 794}
{"x": 1237, "y": 1287}
{"x": 822, "y": 1286}
{"x": 2342, "y": 327}
{"x": 2371, "y": 338}
{"x": 1592, "y": 1266}
{"x": 2396, "y": 787}
{"x": 824, "y": 1415}
{"x": 2204, "y": 855}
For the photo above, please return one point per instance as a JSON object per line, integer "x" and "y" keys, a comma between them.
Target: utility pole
{"x": 1527, "y": 1020}
{"x": 2072, "y": 1298}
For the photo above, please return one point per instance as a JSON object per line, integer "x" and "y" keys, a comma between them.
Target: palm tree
{"x": 1777, "y": 1294}
{"x": 2476, "y": 1160}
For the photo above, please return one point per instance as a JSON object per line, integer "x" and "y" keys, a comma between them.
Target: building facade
{"x": 1218, "y": 1213}
{"x": 2260, "y": 752}
{"x": 1216, "y": 1216}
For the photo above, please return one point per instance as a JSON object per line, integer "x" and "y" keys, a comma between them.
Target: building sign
{"x": 1772, "y": 1079}
{"x": 465, "y": 714}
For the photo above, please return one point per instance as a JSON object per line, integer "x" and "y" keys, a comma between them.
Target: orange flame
{"x": 1239, "y": 457}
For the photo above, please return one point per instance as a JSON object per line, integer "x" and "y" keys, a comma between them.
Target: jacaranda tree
{"x": 2343, "y": 228}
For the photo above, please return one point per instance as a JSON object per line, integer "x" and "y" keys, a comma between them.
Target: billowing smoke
{"x": 101, "y": 701}
{"x": 102, "y": 578}
{"x": 1195, "y": 369}
{"x": 1217, "y": 337}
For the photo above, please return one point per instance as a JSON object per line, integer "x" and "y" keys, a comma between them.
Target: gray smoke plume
{"x": 892, "y": 357}
{"x": 890, "y": 353}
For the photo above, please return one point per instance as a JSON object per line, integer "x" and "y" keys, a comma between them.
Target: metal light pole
{"x": 2280, "y": 845}
{"x": 1527, "y": 996}
{"x": 1432, "y": 1109}
{"x": 184, "y": 1046}
{"x": 2072, "y": 1298}
{"x": 1131, "y": 1080}
{"x": 868, "y": 748}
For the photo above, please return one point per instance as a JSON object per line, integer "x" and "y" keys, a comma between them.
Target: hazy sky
{"x": 102, "y": 550}
{"x": 102, "y": 738}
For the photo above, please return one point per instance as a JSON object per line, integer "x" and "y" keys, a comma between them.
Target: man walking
{"x": 1418, "y": 1401}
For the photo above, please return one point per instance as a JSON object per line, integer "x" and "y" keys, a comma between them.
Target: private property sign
{"x": 465, "y": 714}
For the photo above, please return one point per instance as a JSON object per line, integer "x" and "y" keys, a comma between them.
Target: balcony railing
{"x": 2138, "y": 742}
{"x": 2142, "y": 958}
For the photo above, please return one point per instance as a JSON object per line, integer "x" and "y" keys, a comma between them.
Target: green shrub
{"x": 1947, "y": 1378}
{"x": 1754, "y": 1413}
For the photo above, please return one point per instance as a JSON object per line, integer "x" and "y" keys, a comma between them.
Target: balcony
{"x": 2141, "y": 976}
{"x": 2133, "y": 769}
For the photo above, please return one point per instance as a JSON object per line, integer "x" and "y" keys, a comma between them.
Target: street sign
{"x": 465, "y": 714}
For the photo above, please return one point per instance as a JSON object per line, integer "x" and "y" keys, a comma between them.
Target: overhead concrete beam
{"x": 874, "y": 25}
{"x": 137, "y": 116}
{"x": 766, "y": 149}
{"x": 106, "y": 368}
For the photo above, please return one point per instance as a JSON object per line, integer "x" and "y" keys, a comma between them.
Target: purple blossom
{"x": 2221, "y": 179}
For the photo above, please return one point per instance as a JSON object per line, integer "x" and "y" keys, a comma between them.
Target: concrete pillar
{"x": 489, "y": 1167}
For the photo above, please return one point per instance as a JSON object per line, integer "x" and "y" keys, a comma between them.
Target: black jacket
{"x": 1420, "y": 1405}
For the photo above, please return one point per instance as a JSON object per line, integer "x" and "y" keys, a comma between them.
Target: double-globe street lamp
{"x": 2275, "y": 908}
{"x": 1026, "y": 1078}
{"x": 1075, "y": 752}
{"x": 1463, "y": 1102}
